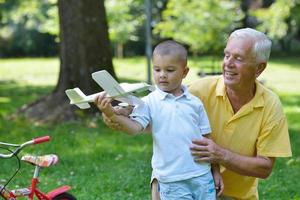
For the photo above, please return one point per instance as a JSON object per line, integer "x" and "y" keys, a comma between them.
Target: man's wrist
{"x": 112, "y": 117}
{"x": 224, "y": 156}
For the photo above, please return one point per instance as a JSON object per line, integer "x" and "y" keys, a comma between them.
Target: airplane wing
{"x": 135, "y": 87}
{"x": 108, "y": 83}
{"x": 114, "y": 89}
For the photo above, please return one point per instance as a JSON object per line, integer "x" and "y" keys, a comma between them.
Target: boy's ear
{"x": 185, "y": 71}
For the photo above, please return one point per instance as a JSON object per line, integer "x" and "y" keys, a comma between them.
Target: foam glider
{"x": 123, "y": 92}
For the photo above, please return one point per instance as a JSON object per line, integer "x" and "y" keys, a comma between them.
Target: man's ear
{"x": 260, "y": 68}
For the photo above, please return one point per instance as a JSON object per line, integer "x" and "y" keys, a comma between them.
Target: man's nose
{"x": 228, "y": 61}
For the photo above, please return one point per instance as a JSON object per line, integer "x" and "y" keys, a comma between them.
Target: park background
{"x": 48, "y": 46}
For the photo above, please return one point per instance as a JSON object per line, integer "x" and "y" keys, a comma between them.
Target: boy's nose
{"x": 162, "y": 75}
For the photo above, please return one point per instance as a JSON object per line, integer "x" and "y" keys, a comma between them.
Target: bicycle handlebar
{"x": 22, "y": 146}
{"x": 41, "y": 139}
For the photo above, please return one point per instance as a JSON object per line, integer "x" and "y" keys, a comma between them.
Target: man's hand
{"x": 206, "y": 150}
{"x": 118, "y": 110}
{"x": 257, "y": 166}
{"x": 110, "y": 123}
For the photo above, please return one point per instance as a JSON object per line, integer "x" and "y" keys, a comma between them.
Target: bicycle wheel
{"x": 64, "y": 196}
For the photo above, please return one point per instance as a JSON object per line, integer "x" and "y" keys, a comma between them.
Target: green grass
{"x": 103, "y": 164}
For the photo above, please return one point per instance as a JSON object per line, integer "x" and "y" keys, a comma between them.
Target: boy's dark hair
{"x": 171, "y": 47}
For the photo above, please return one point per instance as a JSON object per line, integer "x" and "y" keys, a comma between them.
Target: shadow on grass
{"x": 14, "y": 95}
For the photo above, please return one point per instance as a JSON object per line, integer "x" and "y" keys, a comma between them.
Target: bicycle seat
{"x": 41, "y": 161}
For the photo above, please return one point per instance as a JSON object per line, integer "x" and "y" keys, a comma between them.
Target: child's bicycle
{"x": 39, "y": 162}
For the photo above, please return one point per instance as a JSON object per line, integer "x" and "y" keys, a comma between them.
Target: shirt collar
{"x": 220, "y": 89}
{"x": 163, "y": 95}
{"x": 257, "y": 100}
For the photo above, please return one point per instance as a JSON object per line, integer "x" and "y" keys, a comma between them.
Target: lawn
{"x": 103, "y": 164}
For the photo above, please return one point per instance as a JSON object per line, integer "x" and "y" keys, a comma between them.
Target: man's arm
{"x": 206, "y": 150}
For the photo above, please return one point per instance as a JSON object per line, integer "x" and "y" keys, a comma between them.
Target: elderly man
{"x": 249, "y": 128}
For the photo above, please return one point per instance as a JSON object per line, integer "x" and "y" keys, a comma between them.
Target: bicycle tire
{"x": 64, "y": 196}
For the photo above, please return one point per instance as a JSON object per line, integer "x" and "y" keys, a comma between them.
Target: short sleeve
{"x": 274, "y": 140}
{"x": 204, "y": 125}
{"x": 141, "y": 114}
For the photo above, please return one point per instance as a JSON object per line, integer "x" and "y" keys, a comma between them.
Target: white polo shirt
{"x": 175, "y": 121}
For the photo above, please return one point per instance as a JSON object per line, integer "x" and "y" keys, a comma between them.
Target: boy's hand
{"x": 218, "y": 180}
{"x": 104, "y": 104}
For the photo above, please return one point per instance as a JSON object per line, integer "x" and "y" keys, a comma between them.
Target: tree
{"x": 123, "y": 24}
{"x": 85, "y": 48}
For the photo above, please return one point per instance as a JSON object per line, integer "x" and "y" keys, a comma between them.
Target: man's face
{"x": 239, "y": 65}
{"x": 168, "y": 73}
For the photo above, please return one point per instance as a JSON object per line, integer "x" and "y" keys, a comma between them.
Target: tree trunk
{"x": 85, "y": 48}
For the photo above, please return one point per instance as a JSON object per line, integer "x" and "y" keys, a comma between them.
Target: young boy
{"x": 176, "y": 117}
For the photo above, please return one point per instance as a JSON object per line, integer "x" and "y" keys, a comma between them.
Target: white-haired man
{"x": 249, "y": 128}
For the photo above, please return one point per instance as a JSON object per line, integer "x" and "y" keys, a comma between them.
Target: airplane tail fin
{"x": 76, "y": 95}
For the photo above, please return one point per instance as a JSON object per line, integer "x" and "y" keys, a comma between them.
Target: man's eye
{"x": 226, "y": 55}
{"x": 238, "y": 58}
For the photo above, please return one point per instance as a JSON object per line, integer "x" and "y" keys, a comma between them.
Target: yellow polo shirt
{"x": 258, "y": 128}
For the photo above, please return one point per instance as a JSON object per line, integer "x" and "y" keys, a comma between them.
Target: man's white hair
{"x": 262, "y": 44}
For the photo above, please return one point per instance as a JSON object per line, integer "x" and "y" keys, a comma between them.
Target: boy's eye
{"x": 157, "y": 70}
{"x": 170, "y": 70}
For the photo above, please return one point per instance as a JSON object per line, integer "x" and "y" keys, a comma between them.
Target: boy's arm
{"x": 129, "y": 126}
{"x": 217, "y": 179}
{"x": 215, "y": 169}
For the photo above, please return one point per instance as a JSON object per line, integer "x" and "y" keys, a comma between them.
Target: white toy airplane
{"x": 121, "y": 92}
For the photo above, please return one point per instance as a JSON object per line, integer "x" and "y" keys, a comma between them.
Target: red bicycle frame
{"x": 30, "y": 192}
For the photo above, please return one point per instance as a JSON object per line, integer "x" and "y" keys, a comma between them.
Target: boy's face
{"x": 168, "y": 72}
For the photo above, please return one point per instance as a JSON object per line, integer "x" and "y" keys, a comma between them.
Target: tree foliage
{"x": 282, "y": 18}
{"x": 281, "y": 21}
{"x": 122, "y": 21}
{"x": 124, "y": 17}
{"x": 202, "y": 25}
{"x": 28, "y": 27}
